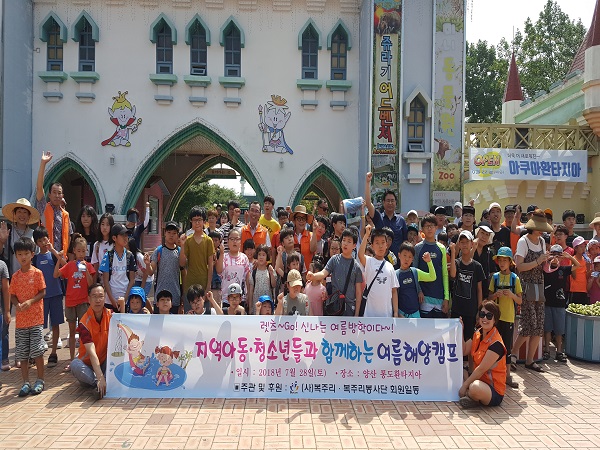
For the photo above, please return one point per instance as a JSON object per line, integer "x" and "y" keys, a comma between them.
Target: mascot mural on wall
{"x": 273, "y": 117}
{"x": 122, "y": 114}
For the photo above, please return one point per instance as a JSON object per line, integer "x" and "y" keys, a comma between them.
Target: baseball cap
{"x": 465, "y": 233}
{"x": 294, "y": 278}
{"x": 118, "y": 229}
{"x": 556, "y": 248}
{"x": 440, "y": 210}
{"x": 468, "y": 209}
{"x": 578, "y": 241}
{"x": 136, "y": 290}
{"x": 412, "y": 227}
{"x": 459, "y": 204}
{"x": 597, "y": 259}
{"x": 510, "y": 208}
{"x": 171, "y": 225}
{"x": 494, "y": 205}
{"x": 234, "y": 288}
{"x": 531, "y": 208}
{"x": 412, "y": 212}
{"x": 267, "y": 299}
{"x": 548, "y": 212}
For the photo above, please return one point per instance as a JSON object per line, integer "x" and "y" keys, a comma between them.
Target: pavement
{"x": 555, "y": 409}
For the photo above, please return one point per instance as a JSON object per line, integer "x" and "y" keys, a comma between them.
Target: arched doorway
{"x": 324, "y": 182}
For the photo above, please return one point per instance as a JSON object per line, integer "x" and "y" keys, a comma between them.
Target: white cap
{"x": 465, "y": 233}
{"x": 412, "y": 212}
{"x": 495, "y": 205}
{"x": 459, "y": 204}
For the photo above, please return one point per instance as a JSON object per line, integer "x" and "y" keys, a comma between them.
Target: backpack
{"x": 128, "y": 257}
{"x": 513, "y": 282}
{"x": 158, "y": 254}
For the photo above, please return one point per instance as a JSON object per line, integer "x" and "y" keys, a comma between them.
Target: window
{"x": 310, "y": 47}
{"x": 233, "y": 51}
{"x": 416, "y": 126}
{"x": 164, "y": 48}
{"x": 87, "y": 48}
{"x": 198, "y": 50}
{"x": 153, "y": 225}
{"x": 55, "y": 47}
{"x": 339, "y": 53}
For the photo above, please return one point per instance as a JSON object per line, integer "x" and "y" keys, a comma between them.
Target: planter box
{"x": 583, "y": 337}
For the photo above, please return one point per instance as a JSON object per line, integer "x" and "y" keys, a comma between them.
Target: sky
{"x": 490, "y": 21}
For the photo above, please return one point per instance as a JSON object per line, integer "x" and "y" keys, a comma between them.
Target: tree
{"x": 484, "y": 85}
{"x": 203, "y": 194}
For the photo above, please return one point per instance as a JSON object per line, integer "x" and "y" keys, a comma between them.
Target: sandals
{"x": 513, "y": 362}
{"x": 468, "y": 403}
{"x": 52, "y": 360}
{"x": 546, "y": 355}
{"x": 534, "y": 366}
{"x": 38, "y": 387}
{"x": 25, "y": 389}
{"x": 513, "y": 384}
{"x": 561, "y": 357}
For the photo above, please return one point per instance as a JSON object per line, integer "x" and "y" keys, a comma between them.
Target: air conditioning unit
{"x": 163, "y": 68}
{"x": 86, "y": 67}
{"x": 232, "y": 70}
{"x": 197, "y": 70}
{"x": 338, "y": 74}
{"x": 309, "y": 74}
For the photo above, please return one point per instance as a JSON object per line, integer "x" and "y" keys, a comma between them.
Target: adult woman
{"x": 530, "y": 258}
{"x": 487, "y": 384}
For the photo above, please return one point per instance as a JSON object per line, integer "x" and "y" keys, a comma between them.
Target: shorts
{"x": 496, "y": 398}
{"x": 506, "y": 330}
{"x": 75, "y": 313}
{"x": 53, "y": 307}
{"x": 433, "y": 314}
{"x": 579, "y": 298}
{"x": 29, "y": 343}
{"x": 532, "y": 318}
{"x": 415, "y": 315}
{"x": 469, "y": 323}
{"x": 555, "y": 320}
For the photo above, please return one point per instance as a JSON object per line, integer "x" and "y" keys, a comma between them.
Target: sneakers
{"x": 59, "y": 343}
{"x": 561, "y": 357}
{"x": 25, "y": 389}
{"x": 45, "y": 345}
{"x": 5, "y": 365}
{"x": 37, "y": 388}
{"x": 48, "y": 336}
{"x": 52, "y": 360}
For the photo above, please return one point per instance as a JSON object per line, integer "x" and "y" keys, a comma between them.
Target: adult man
{"x": 457, "y": 212}
{"x": 267, "y": 220}
{"x": 233, "y": 213}
{"x": 568, "y": 219}
{"x": 388, "y": 218}
{"x": 253, "y": 229}
{"x": 302, "y": 236}
{"x": 54, "y": 217}
{"x": 501, "y": 234}
{"x": 90, "y": 365}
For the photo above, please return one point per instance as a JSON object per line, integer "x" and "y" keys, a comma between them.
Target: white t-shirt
{"x": 379, "y": 303}
{"x": 139, "y": 275}
{"x": 522, "y": 246}
{"x": 118, "y": 279}
{"x": 100, "y": 248}
{"x": 235, "y": 270}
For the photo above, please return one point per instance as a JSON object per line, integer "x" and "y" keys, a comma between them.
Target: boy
{"x": 200, "y": 305}
{"x": 389, "y": 255}
{"x": 412, "y": 217}
{"x": 339, "y": 266}
{"x": 338, "y": 223}
{"x": 451, "y": 230}
{"x": 27, "y": 289}
{"x": 267, "y": 220}
{"x": 164, "y": 301}
{"x": 216, "y": 278}
{"x": 285, "y": 250}
{"x": 318, "y": 243}
{"x": 164, "y": 262}
{"x": 197, "y": 252}
{"x": 412, "y": 233}
{"x": 282, "y": 217}
{"x": 118, "y": 268}
{"x": 408, "y": 284}
{"x": 436, "y": 294}
{"x": 234, "y": 299}
{"x": 569, "y": 220}
{"x": 5, "y": 309}
{"x": 264, "y": 306}
{"x": 295, "y": 303}
{"x": 382, "y": 298}
{"x": 46, "y": 260}
{"x": 136, "y": 303}
{"x": 468, "y": 277}
{"x": 505, "y": 289}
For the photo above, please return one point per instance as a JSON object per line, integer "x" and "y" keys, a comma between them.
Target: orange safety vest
{"x": 304, "y": 246}
{"x": 260, "y": 235}
{"x": 99, "y": 332}
{"x": 496, "y": 376}
{"x": 49, "y": 219}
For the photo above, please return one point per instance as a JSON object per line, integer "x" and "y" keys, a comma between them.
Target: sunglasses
{"x": 487, "y": 315}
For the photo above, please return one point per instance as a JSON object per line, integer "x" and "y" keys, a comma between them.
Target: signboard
{"x": 165, "y": 356}
{"x": 526, "y": 164}
{"x": 448, "y": 95}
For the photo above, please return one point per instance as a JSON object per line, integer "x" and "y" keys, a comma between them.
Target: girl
{"x": 314, "y": 290}
{"x": 578, "y": 288}
{"x": 103, "y": 241}
{"x": 262, "y": 280}
{"x": 86, "y": 224}
{"x": 142, "y": 279}
{"x": 264, "y": 306}
{"x": 233, "y": 266}
{"x": 593, "y": 283}
{"x": 250, "y": 250}
{"x": 165, "y": 357}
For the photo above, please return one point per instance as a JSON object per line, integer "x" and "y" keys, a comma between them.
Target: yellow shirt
{"x": 506, "y": 304}
{"x": 271, "y": 225}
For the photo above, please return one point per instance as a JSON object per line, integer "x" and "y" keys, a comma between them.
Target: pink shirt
{"x": 315, "y": 296}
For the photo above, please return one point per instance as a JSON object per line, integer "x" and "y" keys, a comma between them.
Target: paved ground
{"x": 551, "y": 410}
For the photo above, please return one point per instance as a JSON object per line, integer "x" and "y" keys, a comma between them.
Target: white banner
{"x": 172, "y": 356}
{"x": 525, "y": 164}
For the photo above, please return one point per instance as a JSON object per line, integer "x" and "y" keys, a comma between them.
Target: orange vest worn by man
{"x": 49, "y": 224}
{"x": 91, "y": 331}
{"x": 259, "y": 237}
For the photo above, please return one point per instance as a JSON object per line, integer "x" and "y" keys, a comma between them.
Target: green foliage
{"x": 203, "y": 194}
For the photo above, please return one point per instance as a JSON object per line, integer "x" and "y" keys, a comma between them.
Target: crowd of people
{"x": 288, "y": 261}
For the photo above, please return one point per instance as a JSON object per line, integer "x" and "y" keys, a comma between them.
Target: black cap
{"x": 468, "y": 209}
{"x": 440, "y": 210}
{"x": 171, "y": 225}
{"x": 510, "y": 208}
{"x": 117, "y": 229}
{"x": 432, "y": 209}
{"x": 531, "y": 208}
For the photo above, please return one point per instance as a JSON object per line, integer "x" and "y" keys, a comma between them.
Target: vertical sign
{"x": 449, "y": 101}
{"x": 386, "y": 90}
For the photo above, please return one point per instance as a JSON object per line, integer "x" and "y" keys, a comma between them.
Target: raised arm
{"x": 46, "y": 158}
{"x": 367, "y": 196}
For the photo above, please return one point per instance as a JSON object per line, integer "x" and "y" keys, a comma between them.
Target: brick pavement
{"x": 556, "y": 409}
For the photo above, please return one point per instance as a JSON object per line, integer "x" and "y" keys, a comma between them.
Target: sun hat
{"x": 504, "y": 252}
{"x": 592, "y": 223}
{"x": 538, "y": 223}
{"x": 294, "y": 278}
{"x": 137, "y": 290}
{"x": 578, "y": 241}
{"x": 267, "y": 299}
{"x": 301, "y": 209}
{"x": 234, "y": 288}
{"x": 483, "y": 226}
{"x": 8, "y": 210}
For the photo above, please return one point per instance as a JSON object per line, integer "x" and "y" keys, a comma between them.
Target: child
{"x": 164, "y": 301}
{"x": 315, "y": 290}
{"x": 594, "y": 282}
{"x": 103, "y": 243}
{"x": 412, "y": 234}
{"x": 86, "y": 224}
{"x": 164, "y": 264}
{"x": 284, "y": 251}
{"x": 136, "y": 303}
{"x": 27, "y": 289}
{"x": 118, "y": 268}
{"x": 249, "y": 249}
{"x": 295, "y": 303}
{"x": 318, "y": 243}
{"x": 233, "y": 266}
{"x": 195, "y": 297}
{"x": 46, "y": 261}
{"x": 338, "y": 224}
{"x": 436, "y": 294}
{"x": 451, "y": 231}
{"x": 262, "y": 279}
{"x": 216, "y": 279}
{"x": 142, "y": 279}
{"x": 389, "y": 255}
{"x": 579, "y": 276}
{"x": 79, "y": 275}
{"x": 556, "y": 276}
{"x": 505, "y": 289}
{"x": 264, "y": 306}
{"x": 468, "y": 276}
{"x": 234, "y": 299}
{"x": 5, "y": 309}
{"x": 339, "y": 266}
{"x": 382, "y": 298}
{"x": 409, "y": 279}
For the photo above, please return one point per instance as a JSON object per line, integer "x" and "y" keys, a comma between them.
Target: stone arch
{"x": 321, "y": 168}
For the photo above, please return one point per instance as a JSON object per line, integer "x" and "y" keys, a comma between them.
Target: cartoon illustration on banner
{"x": 273, "y": 117}
{"x": 122, "y": 114}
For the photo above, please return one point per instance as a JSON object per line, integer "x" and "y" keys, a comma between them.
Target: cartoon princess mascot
{"x": 165, "y": 356}
{"x": 122, "y": 114}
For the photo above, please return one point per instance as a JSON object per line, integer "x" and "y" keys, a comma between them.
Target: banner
{"x": 448, "y": 98}
{"x": 526, "y": 164}
{"x": 387, "y": 25}
{"x": 173, "y": 356}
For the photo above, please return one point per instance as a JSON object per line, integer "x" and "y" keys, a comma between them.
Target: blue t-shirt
{"x": 398, "y": 226}
{"x": 46, "y": 263}
{"x": 408, "y": 299}
{"x": 434, "y": 289}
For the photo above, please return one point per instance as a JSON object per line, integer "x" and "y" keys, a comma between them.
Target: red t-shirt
{"x": 77, "y": 286}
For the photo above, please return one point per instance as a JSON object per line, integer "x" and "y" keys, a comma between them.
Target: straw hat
{"x": 8, "y": 210}
{"x": 596, "y": 220}
{"x": 538, "y": 223}
{"x": 301, "y": 209}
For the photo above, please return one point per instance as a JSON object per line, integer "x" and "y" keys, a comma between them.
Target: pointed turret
{"x": 591, "y": 74}
{"x": 513, "y": 94}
